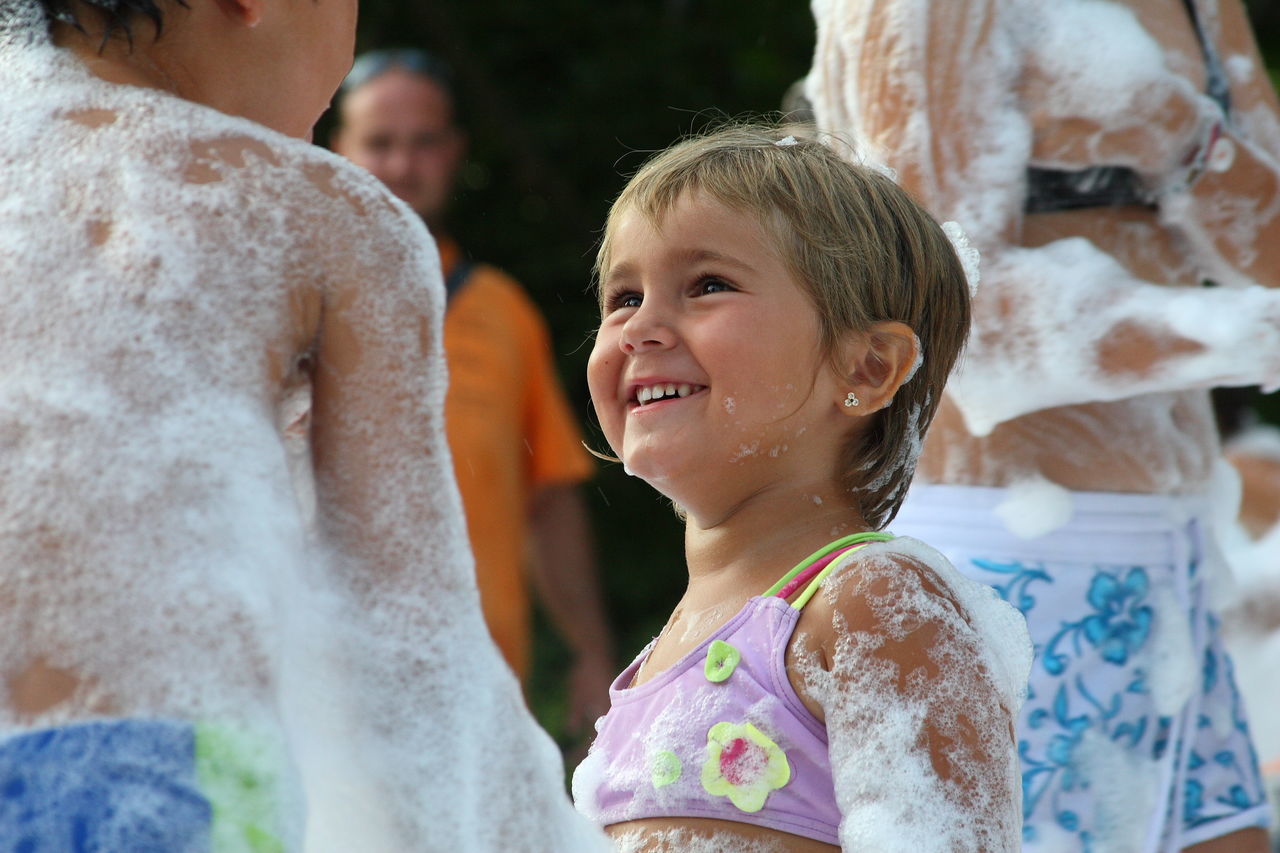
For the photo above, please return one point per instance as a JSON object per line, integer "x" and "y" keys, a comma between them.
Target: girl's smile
{"x": 708, "y": 354}
{"x": 655, "y": 391}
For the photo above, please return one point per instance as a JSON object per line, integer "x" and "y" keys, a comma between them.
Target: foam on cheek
{"x": 922, "y": 758}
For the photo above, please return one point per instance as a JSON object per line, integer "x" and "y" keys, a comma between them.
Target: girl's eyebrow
{"x": 689, "y": 257}
{"x": 693, "y": 256}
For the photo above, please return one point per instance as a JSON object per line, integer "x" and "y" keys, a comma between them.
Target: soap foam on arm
{"x": 165, "y": 270}
{"x": 452, "y": 751}
{"x": 919, "y": 677}
{"x": 932, "y": 89}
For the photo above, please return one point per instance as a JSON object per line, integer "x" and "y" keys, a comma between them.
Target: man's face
{"x": 400, "y": 127}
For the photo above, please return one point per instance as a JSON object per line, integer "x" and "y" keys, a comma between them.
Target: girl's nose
{"x": 646, "y": 329}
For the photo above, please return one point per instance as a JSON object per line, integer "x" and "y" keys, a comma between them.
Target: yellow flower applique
{"x": 743, "y": 765}
{"x": 722, "y": 660}
{"x": 664, "y": 768}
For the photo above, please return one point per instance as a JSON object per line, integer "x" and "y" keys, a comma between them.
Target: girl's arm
{"x": 441, "y": 748}
{"x": 919, "y": 721}
{"x": 942, "y": 93}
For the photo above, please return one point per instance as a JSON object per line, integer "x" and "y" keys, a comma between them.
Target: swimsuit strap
{"x": 820, "y": 563}
{"x": 1216, "y": 83}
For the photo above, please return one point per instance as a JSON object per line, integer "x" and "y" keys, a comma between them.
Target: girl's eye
{"x": 711, "y": 284}
{"x": 624, "y": 299}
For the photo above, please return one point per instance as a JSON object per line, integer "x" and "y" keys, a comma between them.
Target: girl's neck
{"x": 762, "y": 538}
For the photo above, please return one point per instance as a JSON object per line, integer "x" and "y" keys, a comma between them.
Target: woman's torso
{"x": 1157, "y": 443}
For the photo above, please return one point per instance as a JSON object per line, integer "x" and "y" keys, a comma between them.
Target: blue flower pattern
{"x": 1089, "y": 678}
{"x": 1119, "y": 626}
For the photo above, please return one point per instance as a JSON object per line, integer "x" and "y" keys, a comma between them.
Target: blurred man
{"x": 517, "y": 452}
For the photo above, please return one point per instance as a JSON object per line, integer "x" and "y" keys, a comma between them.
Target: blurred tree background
{"x": 562, "y": 100}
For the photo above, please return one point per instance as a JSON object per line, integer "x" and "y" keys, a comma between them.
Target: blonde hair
{"x": 861, "y": 247}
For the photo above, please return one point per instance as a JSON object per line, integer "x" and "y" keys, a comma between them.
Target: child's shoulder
{"x": 905, "y": 601}
{"x": 887, "y": 580}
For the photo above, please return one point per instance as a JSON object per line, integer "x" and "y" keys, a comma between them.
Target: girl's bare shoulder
{"x": 903, "y": 602}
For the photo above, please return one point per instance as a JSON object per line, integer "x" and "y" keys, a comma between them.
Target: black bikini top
{"x": 1050, "y": 190}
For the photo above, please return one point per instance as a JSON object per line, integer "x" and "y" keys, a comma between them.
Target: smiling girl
{"x": 777, "y": 325}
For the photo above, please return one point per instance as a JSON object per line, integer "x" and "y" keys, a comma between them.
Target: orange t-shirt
{"x": 510, "y": 430}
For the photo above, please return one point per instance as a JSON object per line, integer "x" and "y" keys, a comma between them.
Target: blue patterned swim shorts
{"x": 137, "y": 786}
{"x": 1133, "y": 736}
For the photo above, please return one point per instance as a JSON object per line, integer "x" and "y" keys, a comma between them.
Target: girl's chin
{"x": 658, "y": 476}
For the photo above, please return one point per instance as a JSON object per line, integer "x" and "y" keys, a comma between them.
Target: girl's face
{"x": 707, "y": 374}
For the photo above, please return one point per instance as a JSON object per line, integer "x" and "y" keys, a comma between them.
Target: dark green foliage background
{"x": 563, "y": 99}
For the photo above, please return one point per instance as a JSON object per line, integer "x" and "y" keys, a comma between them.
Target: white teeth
{"x": 662, "y": 391}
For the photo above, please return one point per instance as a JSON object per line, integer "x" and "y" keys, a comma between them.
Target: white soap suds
{"x": 1240, "y": 68}
{"x": 1170, "y": 657}
{"x": 970, "y": 258}
{"x": 923, "y": 758}
{"x": 1125, "y": 789}
{"x": 1261, "y": 440}
{"x": 1021, "y": 81}
{"x": 1099, "y": 56}
{"x": 906, "y": 457}
{"x": 1251, "y": 630}
{"x": 166, "y": 268}
{"x": 690, "y": 841}
{"x": 916, "y": 364}
{"x": 1251, "y": 616}
{"x": 1035, "y": 507}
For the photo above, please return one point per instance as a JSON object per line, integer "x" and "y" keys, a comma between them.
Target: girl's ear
{"x": 876, "y": 364}
{"x": 244, "y": 12}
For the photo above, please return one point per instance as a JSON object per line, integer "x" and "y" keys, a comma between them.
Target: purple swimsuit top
{"x": 721, "y": 734}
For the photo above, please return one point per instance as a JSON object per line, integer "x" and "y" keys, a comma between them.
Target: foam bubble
{"x": 970, "y": 258}
{"x": 1262, "y": 440}
{"x": 690, "y": 841}
{"x": 1126, "y": 789}
{"x": 1035, "y": 507}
